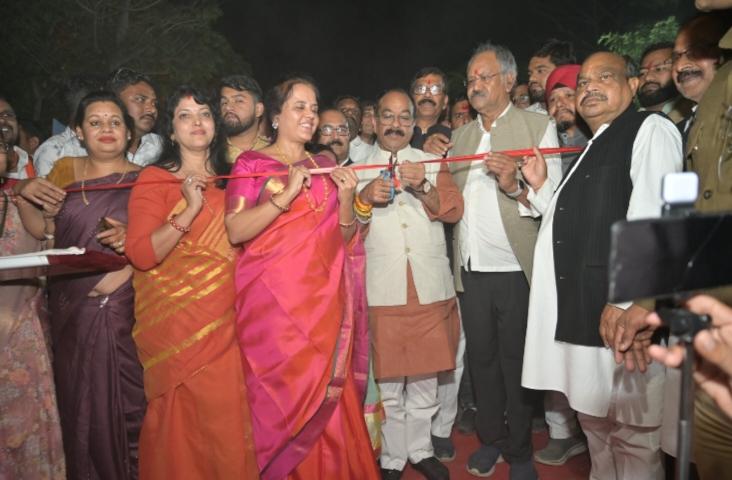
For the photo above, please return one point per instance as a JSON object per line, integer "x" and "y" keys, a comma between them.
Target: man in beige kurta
{"x": 412, "y": 307}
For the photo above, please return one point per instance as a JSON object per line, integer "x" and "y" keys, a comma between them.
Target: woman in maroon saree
{"x": 98, "y": 376}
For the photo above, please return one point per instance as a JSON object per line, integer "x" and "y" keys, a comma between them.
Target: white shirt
{"x": 359, "y": 151}
{"x": 66, "y": 144}
{"x": 20, "y": 172}
{"x": 589, "y": 376}
{"x": 537, "y": 107}
{"x": 483, "y": 239}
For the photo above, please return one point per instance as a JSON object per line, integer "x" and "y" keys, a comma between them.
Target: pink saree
{"x": 302, "y": 327}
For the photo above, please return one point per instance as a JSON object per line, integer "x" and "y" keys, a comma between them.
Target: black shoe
{"x": 466, "y": 424}
{"x": 522, "y": 471}
{"x": 432, "y": 469}
{"x": 390, "y": 474}
{"x": 482, "y": 463}
{"x": 444, "y": 449}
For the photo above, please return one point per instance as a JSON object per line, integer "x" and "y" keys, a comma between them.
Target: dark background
{"x": 364, "y": 47}
{"x": 49, "y": 47}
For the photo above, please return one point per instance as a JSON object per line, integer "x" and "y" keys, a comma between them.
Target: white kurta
{"x": 589, "y": 376}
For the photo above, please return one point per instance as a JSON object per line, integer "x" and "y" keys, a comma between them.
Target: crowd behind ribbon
{"x": 340, "y": 325}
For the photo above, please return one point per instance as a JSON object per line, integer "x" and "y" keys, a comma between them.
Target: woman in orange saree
{"x": 300, "y": 307}
{"x": 197, "y": 423}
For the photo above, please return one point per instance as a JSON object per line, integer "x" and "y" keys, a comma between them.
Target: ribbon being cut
{"x": 77, "y": 260}
{"x": 321, "y": 171}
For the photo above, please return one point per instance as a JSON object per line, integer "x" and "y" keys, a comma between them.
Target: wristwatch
{"x": 517, "y": 193}
{"x": 424, "y": 187}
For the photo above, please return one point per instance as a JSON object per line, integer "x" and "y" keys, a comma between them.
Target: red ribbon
{"x": 324, "y": 170}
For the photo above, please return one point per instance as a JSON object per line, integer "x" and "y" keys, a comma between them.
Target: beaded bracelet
{"x": 279, "y": 207}
{"x": 178, "y": 227}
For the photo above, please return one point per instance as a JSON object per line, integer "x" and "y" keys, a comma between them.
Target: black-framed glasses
{"x": 328, "y": 130}
{"x": 422, "y": 89}
{"x": 404, "y": 119}
{"x": 483, "y": 78}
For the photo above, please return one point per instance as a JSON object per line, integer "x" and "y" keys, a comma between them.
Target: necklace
{"x": 308, "y": 197}
{"x": 83, "y": 179}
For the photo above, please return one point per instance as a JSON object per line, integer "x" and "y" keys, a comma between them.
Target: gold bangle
{"x": 350, "y": 224}
{"x": 279, "y": 207}
{"x": 361, "y": 207}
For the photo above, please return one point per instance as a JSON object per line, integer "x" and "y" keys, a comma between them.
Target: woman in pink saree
{"x": 301, "y": 318}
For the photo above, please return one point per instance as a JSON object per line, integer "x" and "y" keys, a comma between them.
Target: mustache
{"x": 686, "y": 74}
{"x": 477, "y": 93}
{"x": 148, "y": 115}
{"x": 335, "y": 142}
{"x": 590, "y": 95}
{"x": 565, "y": 110}
{"x": 649, "y": 84}
{"x": 426, "y": 100}
{"x": 394, "y": 131}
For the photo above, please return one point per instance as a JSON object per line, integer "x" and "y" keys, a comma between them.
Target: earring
{"x": 275, "y": 124}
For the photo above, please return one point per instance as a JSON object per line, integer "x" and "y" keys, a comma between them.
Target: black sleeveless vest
{"x": 596, "y": 195}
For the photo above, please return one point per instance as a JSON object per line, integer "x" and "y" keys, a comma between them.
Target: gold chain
{"x": 308, "y": 197}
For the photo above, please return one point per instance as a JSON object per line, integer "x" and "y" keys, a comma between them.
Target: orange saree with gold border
{"x": 197, "y": 424}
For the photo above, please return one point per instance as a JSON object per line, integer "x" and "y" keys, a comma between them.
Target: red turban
{"x": 562, "y": 76}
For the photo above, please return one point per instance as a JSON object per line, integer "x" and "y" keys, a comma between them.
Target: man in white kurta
{"x": 619, "y": 411}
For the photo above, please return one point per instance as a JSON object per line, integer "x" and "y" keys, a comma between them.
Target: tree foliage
{"x": 633, "y": 42}
{"x": 50, "y": 42}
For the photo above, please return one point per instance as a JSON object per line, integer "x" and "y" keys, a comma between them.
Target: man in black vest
{"x": 570, "y": 339}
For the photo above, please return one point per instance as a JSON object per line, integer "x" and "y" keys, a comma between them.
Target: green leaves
{"x": 635, "y": 41}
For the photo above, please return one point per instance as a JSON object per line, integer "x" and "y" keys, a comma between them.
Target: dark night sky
{"x": 364, "y": 47}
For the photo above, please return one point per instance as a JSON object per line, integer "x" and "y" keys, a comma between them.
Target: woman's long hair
{"x": 170, "y": 159}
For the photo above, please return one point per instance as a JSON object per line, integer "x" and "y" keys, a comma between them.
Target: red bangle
{"x": 178, "y": 227}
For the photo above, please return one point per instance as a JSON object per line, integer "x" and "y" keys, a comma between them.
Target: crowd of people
{"x": 289, "y": 323}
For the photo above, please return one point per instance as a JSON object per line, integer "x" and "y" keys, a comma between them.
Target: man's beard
{"x": 232, "y": 129}
{"x": 658, "y": 96}
{"x": 564, "y": 125}
{"x": 536, "y": 96}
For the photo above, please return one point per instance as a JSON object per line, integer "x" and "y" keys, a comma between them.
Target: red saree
{"x": 302, "y": 327}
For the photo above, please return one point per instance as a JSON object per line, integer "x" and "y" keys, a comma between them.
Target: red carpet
{"x": 575, "y": 469}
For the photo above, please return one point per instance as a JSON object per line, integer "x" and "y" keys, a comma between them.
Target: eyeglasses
{"x": 387, "y": 118}
{"x": 695, "y": 52}
{"x": 434, "y": 89}
{"x": 656, "y": 69}
{"x": 7, "y": 115}
{"x": 483, "y": 78}
{"x": 340, "y": 130}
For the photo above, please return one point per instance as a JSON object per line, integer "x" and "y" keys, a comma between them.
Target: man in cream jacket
{"x": 413, "y": 311}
